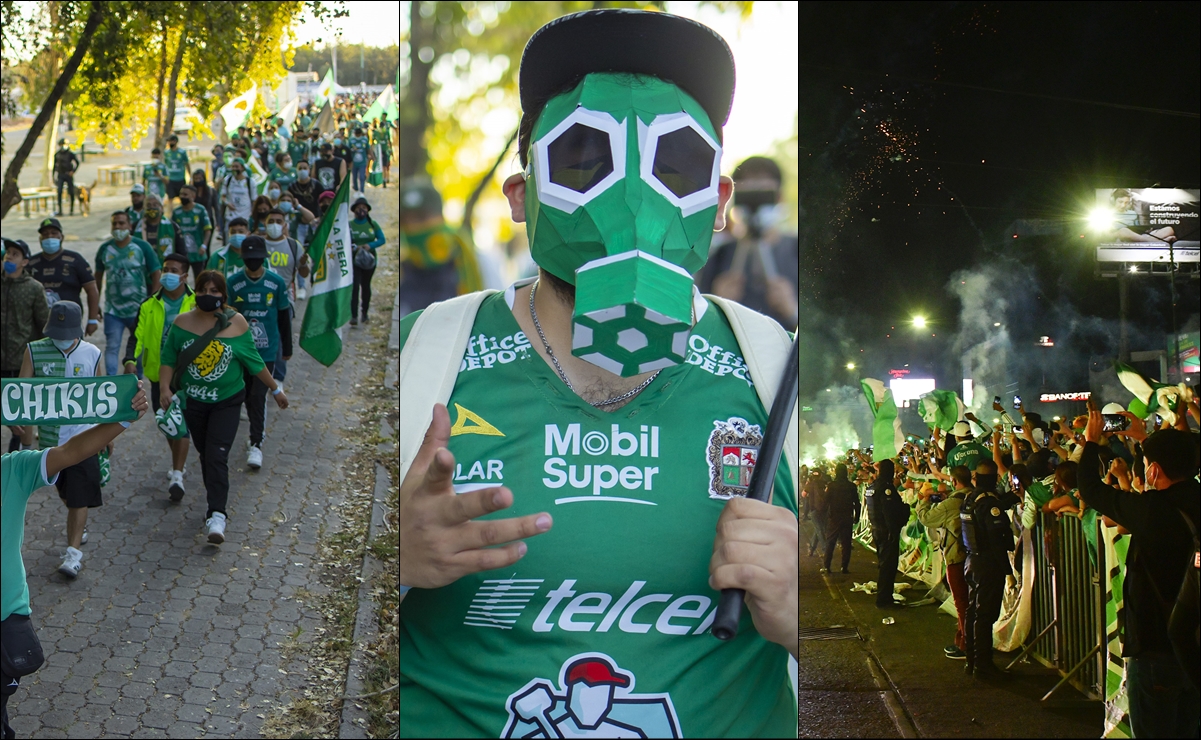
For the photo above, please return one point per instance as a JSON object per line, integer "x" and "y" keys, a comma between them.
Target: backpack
{"x": 984, "y": 527}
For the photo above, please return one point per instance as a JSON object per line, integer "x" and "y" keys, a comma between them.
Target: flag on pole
{"x": 329, "y": 297}
{"x": 941, "y": 409}
{"x": 1150, "y": 396}
{"x": 887, "y": 437}
{"x": 325, "y": 119}
{"x": 235, "y": 111}
{"x": 325, "y": 90}
{"x": 258, "y": 175}
{"x": 384, "y": 106}
{"x": 288, "y": 115}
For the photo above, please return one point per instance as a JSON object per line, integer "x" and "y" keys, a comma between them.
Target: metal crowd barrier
{"x": 1068, "y": 610}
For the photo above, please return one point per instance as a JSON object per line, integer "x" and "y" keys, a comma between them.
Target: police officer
{"x": 988, "y": 538}
{"x": 888, "y": 515}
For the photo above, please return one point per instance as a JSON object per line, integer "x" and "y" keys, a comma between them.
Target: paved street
{"x": 163, "y": 634}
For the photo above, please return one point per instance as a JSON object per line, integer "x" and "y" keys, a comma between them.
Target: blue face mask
{"x": 171, "y": 280}
{"x": 10, "y": 267}
{"x": 286, "y": 207}
{"x": 50, "y": 246}
{"x": 235, "y": 240}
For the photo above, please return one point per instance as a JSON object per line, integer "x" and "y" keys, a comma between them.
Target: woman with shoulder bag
{"x": 366, "y": 236}
{"x": 205, "y": 355}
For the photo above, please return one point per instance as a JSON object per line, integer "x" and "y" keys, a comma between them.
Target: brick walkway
{"x": 163, "y": 634}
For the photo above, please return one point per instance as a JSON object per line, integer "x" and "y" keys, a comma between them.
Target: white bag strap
{"x": 765, "y": 344}
{"x": 439, "y": 338}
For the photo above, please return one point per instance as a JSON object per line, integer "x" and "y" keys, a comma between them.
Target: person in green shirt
{"x": 283, "y": 174}
{"x": 22, "y": 473}
{"x": 137, "y": 199}
{"x": 175, "y": 160}
{"x": 192, "y": 222}
{"x": 213, "y": 382}
{"x": 133, "y": 268}
{"x": 154, "y": 176}
{"x": 261, "y": 296}
{"x": 381, "y": 136}
{"x": 157, "y": 232}
{"x": 228, "y": 259}
{"x": 967, "y": 451}
{"x": 298, "y": 148}
{"x": 360, "y": 153}
{"x": 366, "y": 235}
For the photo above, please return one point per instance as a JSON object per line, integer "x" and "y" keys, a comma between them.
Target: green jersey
{"x": 285, "y": 178}
{"x": 298, "y": 151}
{"x": 135, "y": 218}
{"x": 969, "y": 454}
{"x": 380, "y": 136}
{"x": 260, "y": 301}
{"x": 49, "y": 361}
{"x": 126, "y": 272}
{"x": 216, "y": 374}
{"x": 617, "y": 593}
{"x": 358, "y": 147}
{"x": 176, "y": 163}
{"x": 226, "y": 260}
{"x": 154, "y": 177}
{"x": 192, "y": 222}
{"x": 164, "y": 241}
{"x": 21, "y": 473}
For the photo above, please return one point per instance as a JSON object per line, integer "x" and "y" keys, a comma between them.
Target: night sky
{"x": 907, "y": 178}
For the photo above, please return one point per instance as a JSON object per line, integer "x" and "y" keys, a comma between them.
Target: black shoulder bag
{"x": 189, "y": 354}
{"x": 20, "y": 649}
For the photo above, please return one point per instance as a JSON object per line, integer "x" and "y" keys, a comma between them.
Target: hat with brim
{"x": 138, "y": 188}
{"x": 360, "y": 202}
{"x": 688, "y": 54}
{"x": 64, "y": 321}
{"x": 254, "y": 247}
{"x": 50, "y": 223}
{"x": 17, "y": 244}
{"x": 961, "y": 429}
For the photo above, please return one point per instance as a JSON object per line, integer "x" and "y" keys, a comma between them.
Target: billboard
{"x": 1138, "y": 224}
{"x": 1188, "y": 352}
{"x": 908, "y": 389}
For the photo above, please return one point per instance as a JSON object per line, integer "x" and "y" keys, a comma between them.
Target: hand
{"x": 130, "y": 368}
{"x": 1137, "y": 429}
{"x": 998, "y": 408}
{"x": 729, "y": 285}
{"x": 756, "y": 550}
{"x": 165, "y": 397}
{"x": 281, "y": 399}
{"x": 971, "y": 417}
{"x": 141, "y": 402}
{"x": 287, "y": 357}
{"x": 109, "y": 448}
{"x": 91, "y": 328}
{"x": 439, "y": 542}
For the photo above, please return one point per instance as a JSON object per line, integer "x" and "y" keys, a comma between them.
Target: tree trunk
{"x": 10, "y": 195}
{"x": 169, "y": 121}
{"x": 483, "y": 183}
{"x": 415, "y": 106}
{"x": 158, "y": 89}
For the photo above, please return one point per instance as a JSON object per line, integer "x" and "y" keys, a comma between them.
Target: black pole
{"x": 729, "y": 607}
{"x": 1175, "y": 333}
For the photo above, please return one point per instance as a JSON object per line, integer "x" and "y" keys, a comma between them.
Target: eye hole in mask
{"x": 580, "y": 158}
{"x": 683, "y": 162}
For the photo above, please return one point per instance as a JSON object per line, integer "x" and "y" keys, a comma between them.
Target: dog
{"x": 83, "y": 193}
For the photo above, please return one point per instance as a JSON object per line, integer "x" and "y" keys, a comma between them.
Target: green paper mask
{"x": 621, "y": 194}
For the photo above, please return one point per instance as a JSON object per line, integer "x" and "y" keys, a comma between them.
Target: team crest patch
{"x": 732, "y": 453}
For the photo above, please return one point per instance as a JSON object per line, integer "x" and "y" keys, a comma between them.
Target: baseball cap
{"x": 138, "y": 188}
{"x": 417, "y": 195}
{"x": 961, "y": 429}
{"x": 19, "y": 244}
{"x": 64, "y": 321}
{"x": 595, "y": 673}
{"x": 49, "y": 222}
{"x": 254, "y": 247}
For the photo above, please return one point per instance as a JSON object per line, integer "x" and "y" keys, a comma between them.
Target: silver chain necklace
{"x": 551, "y": 353}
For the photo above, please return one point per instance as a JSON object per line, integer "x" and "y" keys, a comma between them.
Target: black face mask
{"x": 208, "y": 302}
{"x": 253, "y": 264}
{"x": 185, "y": 201}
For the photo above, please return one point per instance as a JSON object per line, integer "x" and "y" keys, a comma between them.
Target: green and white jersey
{"x": 49, "y": 361}
{"x": 260, "y": 301}
{"x": 126, "y": 273}
{"x": 176, "y": 163}
{"x": 154, "y": 178}
{"x": 602, "y": 629}
{"x": 969, "y": 454}
{"x": 192, "y": 223}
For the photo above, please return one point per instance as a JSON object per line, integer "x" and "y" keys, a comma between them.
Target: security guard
{"x": 888, "y": 515}
{"x": 988, "y": 538}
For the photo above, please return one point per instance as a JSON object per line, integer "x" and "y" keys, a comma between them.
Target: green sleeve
{"x": 153, "y": 263}
{"x": 243, "y": 347}
{"x": 212, "y": 263}
{"x": 171, "y": 347}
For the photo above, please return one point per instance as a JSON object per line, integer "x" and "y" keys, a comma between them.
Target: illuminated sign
{"x": 1045, "y": 341}
{"x": 905, "y": 389}
{"x": 899, "y": 372}
{"x": 1053, "y": 397}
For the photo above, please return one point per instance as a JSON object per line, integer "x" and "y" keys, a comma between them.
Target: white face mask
{"x": 63, "y": 344}
{"x": 275, "y": 230}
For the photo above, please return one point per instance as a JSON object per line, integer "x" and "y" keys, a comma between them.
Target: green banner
{"x": 59, "y": 401}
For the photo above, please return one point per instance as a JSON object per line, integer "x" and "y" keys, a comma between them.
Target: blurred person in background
{"x": 841, "y": 505}
{"x": 435, "y": 262}
{"x": 23, "y": 313}
{"x": 759, "y": 266}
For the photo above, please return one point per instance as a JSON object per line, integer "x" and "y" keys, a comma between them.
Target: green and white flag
{"x": 329, "y": 297}
{"x": 235, "y": 111}
{"x": 62, "y": 401}
{"x": 1150, "y": 396}
{"x": 887, "y": 437}
{"x": 384, "y": 106}
{"x": 941, "y": 409}
{"x": 258, "y": 175}
{"x": 325, "y": 90}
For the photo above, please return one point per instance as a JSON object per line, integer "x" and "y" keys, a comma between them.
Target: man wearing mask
{"x": 175, "y": 160}
{"x": 599, "y": 120}
{"x": 298, "y": 147}
{"x": 329, "y": 171}
{"x": 237, "y": 192}
{"x": 64, "y": 274}
{"x": 888, "y": 515}
{"x": 261, "y": 296}
{"x": 154, "y": 175}
{"x": 23, "y": 313}
{"x": 282, "y": 172}
{"x": 65, "y": 164}
{"x": 759, "y": 268}
{"x": 436, "y": 263}
{"x": 360, "y": 147}
{"x": 157, "y": 232}
{"x": 342, "y": 148}
{"x": 366, "y": 235}
{"x": 288, "y": 261}
{"x": 941, "y": 518}
{"x": 133, "y": 269}
{"x": 149, "y": 332}
{"x": 227, "y": 259}
{"x": 62, "y": 353}
{"x": 191, "y": 221}
{"x": 305, "y": 191}
{"x": 137, "y": 200}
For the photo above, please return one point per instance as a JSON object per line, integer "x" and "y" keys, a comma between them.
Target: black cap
{"x": 64, "y": 321}
{"x": 253, "y": 247}
{"x": 48, "y": 222}
{"x": 17, "y": 244}
{"x": 669, "y": 47}
{"x": 360, "y": 202}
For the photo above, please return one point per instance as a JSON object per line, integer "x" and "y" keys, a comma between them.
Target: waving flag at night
{"x": 941, "y": 409}
{"x": 1150, "y": 396}
{"x": 887, "y": 437}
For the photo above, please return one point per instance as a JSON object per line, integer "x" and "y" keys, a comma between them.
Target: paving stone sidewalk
{"x": 163, "y": 634}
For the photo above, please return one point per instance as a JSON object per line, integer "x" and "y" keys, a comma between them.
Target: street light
{"x": 850, "y": 366}
{"x": 1100, "y": 219}
{"x": 919, "y": 322}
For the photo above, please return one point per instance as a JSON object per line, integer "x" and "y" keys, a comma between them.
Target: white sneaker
{"x": 175, "y": 487}
{"x": 215, "y": 528}
{"x": 254, "y": 457}
{"x": 301, "y": 294}
{"x": 72, "y": 563}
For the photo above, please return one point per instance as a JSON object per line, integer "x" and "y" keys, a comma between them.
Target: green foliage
{"x": 379, "y": 64}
